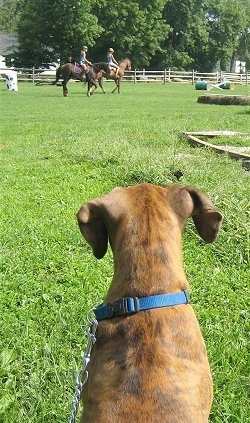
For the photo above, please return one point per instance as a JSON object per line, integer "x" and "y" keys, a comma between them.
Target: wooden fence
{"x": 163, "y": 76}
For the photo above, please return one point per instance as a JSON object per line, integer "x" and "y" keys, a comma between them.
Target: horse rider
{"x": 112, "y": 62}
{"x": 83, "y": 62}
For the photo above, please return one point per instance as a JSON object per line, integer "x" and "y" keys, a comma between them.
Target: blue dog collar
{"x": 131, "y": 305}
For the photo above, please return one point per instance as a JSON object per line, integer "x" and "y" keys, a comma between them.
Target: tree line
{"x": 176, "y": 34}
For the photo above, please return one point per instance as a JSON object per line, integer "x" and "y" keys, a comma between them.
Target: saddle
{"x": 111, "y": 68}
{"x": 79, "y": 69}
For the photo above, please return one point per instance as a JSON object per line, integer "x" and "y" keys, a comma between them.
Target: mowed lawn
{"x": 56, "y": 153}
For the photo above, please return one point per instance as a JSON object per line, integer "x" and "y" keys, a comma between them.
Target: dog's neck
{"x": 146, "y": 266}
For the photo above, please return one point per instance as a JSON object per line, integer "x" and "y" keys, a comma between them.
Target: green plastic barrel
{"x": 202, "y": 85}
{"x": 227, "y": 86}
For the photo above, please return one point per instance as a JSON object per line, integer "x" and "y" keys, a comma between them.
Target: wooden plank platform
{"x": 194, "y": 140}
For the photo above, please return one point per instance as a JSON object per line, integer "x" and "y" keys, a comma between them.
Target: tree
{"x": 48, "y": 29}
{"x": 188, "y": 39}
{"x": 8, "y": 15}
{"x": 51, "y": 29}
{"x": 227, "y": 19}
{"x": 203, "y": 32}
{"x": 243, "y": 50}
{"x": 156, "y": 33}
{"x": 132, "y": 27}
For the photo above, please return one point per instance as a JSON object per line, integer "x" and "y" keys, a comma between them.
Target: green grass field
{"x": 57, "y": 153}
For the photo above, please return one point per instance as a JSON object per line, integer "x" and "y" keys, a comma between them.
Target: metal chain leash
{"x": 82, "y": 375}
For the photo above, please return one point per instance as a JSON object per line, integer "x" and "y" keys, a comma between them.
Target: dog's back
{"x": 150, "y": 366}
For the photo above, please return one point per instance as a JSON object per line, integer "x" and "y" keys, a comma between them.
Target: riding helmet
{"x": 85, "y": 48}
{"x": 111, "y": 50}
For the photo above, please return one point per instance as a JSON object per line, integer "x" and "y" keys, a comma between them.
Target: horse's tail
{"x": 58, "y": 74}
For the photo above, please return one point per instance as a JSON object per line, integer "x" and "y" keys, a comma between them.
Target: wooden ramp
{"x": 233, "y": 152}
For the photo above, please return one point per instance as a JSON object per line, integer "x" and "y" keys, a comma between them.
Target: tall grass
{"x": 57, "y": 153}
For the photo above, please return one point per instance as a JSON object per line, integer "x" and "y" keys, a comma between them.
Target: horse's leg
{"x": 100, "y": 82}
{"x": 91, "y": 83}
{"x": 89, "y": 88}
{"x": 95, "y": 86}
{"x": 65, "y": 89}
{"x": 58, "y": 74}
{"x": 117, "y": 85}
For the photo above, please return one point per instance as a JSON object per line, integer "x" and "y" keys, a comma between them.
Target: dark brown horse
{"x": 111, "y": 74}
{"x": 71, "y": 70}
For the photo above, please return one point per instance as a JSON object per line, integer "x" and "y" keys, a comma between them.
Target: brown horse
{"x": 71, "y": 70}
{"x": 111, "y": 74}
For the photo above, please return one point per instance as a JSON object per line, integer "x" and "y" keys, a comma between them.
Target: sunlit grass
{"x": 57, "y": 153}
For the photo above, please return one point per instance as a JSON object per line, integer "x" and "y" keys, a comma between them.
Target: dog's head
{"x": 99, "y": 219}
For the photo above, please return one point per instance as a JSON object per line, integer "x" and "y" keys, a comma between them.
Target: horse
{"x": 111, "y": 74}
{"x": 71, "y": 70}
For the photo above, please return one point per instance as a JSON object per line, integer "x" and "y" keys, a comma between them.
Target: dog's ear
{"x": 207, "y": 220}
{"x": 93, "y": 229}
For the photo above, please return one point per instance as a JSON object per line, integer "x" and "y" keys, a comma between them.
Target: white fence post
{"x": 135, "y": 76}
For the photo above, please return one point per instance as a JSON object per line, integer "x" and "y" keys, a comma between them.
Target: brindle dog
{"x": 151, "y": 366}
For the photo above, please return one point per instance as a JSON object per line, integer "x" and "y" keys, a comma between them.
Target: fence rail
{"x": 139, "y": 75}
